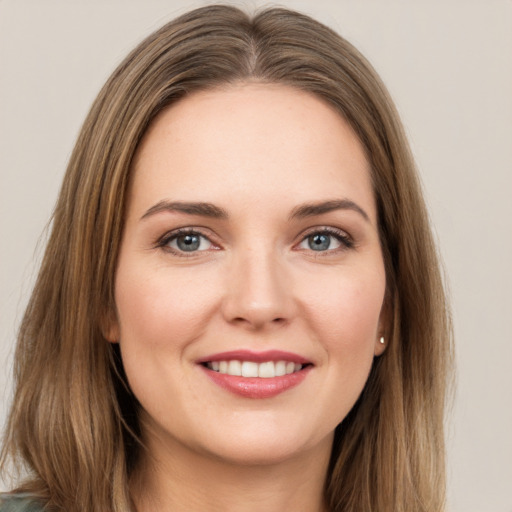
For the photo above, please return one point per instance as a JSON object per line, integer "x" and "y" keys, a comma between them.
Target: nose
{"x": 259, "y": 292}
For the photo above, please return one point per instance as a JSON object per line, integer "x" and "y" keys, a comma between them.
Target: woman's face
{"x": 250, "y": 280}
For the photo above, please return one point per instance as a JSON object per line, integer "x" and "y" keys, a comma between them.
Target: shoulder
{"x": 19, "y": 503}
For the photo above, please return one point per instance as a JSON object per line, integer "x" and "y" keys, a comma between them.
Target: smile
{"x": 256, "y": 375}
{"x": 264, "y": 370}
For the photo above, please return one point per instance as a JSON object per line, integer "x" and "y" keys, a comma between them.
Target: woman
{"x": 240, "y": 305}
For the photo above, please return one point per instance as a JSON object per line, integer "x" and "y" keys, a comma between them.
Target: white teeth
{"x": 249, "y": 369}
{"x": 280, "y": 368}
{"x": 235, "y": 368}
{"x": 265, "y": 370}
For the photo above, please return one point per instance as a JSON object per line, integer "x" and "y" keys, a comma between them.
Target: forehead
{"x": 261, "y": 140}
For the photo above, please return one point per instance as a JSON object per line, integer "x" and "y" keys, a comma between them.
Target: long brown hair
{"x": 73, "y": 423}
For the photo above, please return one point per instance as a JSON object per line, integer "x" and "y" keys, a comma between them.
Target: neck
{"x": 180, "y": 480}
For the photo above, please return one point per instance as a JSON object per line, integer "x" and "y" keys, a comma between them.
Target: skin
{"x": 259, "y": 152}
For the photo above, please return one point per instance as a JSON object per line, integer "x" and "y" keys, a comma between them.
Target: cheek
{"x": 350, "y": 303}
{"x": 163, "y": 309}
{"x": 344, "y": 314}
{"x": 160, "y": 313}
{"x": 345, "y": 319}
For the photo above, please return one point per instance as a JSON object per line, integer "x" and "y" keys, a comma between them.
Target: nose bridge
{"x": 258, "y": 292}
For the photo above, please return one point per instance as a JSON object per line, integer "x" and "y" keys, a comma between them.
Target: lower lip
{"x": 257, "y": 387}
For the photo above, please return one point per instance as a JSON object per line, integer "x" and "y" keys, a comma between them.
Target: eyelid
{"x": 341, "y": 235}
{"x": 163, "y": 241}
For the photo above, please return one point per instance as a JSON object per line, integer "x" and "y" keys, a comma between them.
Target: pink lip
{"x": 255, "y": 357}
{"x": 255, "y": 387}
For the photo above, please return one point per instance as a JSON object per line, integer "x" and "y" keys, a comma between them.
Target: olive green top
{"x": 19, "y": 503}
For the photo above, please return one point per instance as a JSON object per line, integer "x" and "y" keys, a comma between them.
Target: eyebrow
{"x": 192, "y": 208}
{"x": 312, "y": 209}
{"x": 216, "y": 212}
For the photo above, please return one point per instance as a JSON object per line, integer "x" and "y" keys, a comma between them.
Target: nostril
{"x": 258, "y": 322}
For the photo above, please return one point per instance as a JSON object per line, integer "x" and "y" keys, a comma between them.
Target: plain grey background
{"x": 448, "y": 65}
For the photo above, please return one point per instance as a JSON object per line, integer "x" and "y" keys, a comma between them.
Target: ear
{"x": 384, "y": 329}
{"x": 380, "y": 345}
{"x": 109, "y": 326}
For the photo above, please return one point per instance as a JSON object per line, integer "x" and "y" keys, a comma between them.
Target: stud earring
{"x": 381, "y": 340}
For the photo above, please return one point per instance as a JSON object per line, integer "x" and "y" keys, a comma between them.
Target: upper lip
{"x": 256, "y": 357}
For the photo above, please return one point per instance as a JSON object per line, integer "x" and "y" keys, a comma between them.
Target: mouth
{"x": 264, "y": 370}
{"x": 256, "y": 375}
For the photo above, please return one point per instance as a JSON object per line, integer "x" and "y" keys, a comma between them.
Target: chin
{"x": 259, "y": 446}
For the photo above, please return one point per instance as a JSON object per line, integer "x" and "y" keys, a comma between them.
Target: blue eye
{"x": 319, "y": 242}
{"x": 326, "y": 240}
{"x": 187, "y": 242}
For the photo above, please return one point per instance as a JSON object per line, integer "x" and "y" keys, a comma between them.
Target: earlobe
{"x": 380, "y": 346}
{"x": 110, "y": 327}
{"x": 384, "y": 326}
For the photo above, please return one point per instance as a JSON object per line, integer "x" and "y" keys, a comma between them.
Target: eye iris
{"x": 188, "y": 242}
{"x": 319, "y": 242}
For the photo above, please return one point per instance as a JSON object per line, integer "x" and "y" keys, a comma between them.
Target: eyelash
{"x": 343, "y": 238}
{"x": 164, "y": 241}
